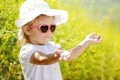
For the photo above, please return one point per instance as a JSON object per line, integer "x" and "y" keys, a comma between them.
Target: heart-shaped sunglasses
{"x": 44, "y": 28}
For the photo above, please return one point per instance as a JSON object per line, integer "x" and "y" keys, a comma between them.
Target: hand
{"x": 63, "y": 55}
{"x": 93, "y": 38}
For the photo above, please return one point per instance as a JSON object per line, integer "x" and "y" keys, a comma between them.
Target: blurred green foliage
{"x": 98, "y": 62}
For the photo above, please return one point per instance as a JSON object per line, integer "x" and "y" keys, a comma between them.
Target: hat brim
{"x": 61, "y": 16}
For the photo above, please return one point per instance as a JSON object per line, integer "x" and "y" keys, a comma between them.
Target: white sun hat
{"x": 30, "y": 9}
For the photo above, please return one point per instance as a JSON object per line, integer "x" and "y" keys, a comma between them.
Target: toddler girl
{"x": 39, "y": 57}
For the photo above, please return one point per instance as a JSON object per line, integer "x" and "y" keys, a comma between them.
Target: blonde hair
{"x": 22, "y": 37}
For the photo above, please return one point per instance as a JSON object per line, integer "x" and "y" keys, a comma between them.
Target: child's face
{"x": 36, "y": 35}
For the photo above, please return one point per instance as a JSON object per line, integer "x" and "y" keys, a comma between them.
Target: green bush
{"x": 98, "y": 62}
{"x": 10, "y": 68}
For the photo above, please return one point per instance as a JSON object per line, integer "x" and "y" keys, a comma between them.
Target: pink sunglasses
{"x": 44, "y": 28}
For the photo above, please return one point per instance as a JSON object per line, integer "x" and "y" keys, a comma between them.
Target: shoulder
{"x": 27, "y": 49}
{"x": 27, "y": 46}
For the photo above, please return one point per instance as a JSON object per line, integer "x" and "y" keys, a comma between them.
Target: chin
{"x": 43, "y": 43}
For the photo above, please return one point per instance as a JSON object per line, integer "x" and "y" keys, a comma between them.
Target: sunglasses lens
{"x": 44, "y": 28}
{"x": 52, "y": 28}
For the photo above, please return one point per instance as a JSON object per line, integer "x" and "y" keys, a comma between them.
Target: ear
{"x": 26, "y": 30}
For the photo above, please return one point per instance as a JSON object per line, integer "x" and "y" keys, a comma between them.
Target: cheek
{"x": 35, "y": 33}
{"x": 39, "y": 35}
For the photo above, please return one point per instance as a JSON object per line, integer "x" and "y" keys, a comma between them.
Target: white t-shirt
{"x": 39, "y": 72}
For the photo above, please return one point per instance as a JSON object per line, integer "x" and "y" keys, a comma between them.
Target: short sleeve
{"x": 25, "y": 53}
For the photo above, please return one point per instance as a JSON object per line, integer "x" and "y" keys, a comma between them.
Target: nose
{"x": 49, "y": 32}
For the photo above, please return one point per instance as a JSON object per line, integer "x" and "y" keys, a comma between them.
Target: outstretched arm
{"x": 40, "y": 58}
{"x": 78, "y": 50}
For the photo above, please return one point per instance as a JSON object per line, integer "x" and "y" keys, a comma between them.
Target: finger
{"x": 65, "y": 58}
{"x": 69, "y": 56}
{"x": 61, "y": 59}
{"x": 99, "y": 36}
{"x": 100, "y": 39}
{"x": 92, "y": 35}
